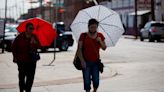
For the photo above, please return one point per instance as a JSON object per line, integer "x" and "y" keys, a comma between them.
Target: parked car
{"x": 63, "y": 41}
{"x": 10, "y": 35}
{"x": 64, "y": 38}
{"x": 152, "y": 30}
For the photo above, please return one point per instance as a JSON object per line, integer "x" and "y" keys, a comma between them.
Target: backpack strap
{"x": 85, "y": 35}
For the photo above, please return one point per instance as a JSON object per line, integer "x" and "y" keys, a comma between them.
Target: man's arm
{"x": 14, "y": 50}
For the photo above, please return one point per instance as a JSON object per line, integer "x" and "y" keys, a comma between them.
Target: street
{"x": 130, "y": 66}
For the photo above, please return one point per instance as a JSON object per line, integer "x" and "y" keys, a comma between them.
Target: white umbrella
{"x": 110, "y": 24}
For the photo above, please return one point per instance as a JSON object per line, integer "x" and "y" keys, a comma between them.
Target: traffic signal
{"x": 61, "y": 10}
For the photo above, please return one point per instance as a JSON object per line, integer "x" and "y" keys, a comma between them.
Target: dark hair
{"x": 93, "y": 21}
{"x": 29, "y": 24}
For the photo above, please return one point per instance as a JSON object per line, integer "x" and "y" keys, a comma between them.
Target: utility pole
{"x": 135, "y": 20}
{"x": 57, "y": 4}
{"x": 127, "y": 27}
{"x": 16, "y": 10}
{"x": 41, "y": 9}
{"x": 51, "y": 9}
{"x": 4, "y": 26}
{"x": 23, "y": 6}
{"x": 152, "y": 10}
{"x": 32, "y": 14}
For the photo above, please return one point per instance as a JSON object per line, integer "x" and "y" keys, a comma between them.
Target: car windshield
{"x": 13, "y": 30}
{"x": 7, "y": 29}
{"x": 10, "y": 29}
{"x": 158, "y": 24}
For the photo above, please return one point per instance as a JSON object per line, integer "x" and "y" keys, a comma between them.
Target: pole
{"x": 16, "y": 9}
{"x": 128, "y": 17}
{"x": 4, "y": 26}
{"x": 41, "y": 9}
{"x": 31, "y": 15}
{"x": 50, "y": 8}
{"x": 135, "y": 20}
{"x": 23, "y": 6}
{"x": 57, "y": 3}
{"x": 152, "y": 10}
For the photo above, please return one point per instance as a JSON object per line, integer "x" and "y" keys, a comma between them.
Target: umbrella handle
{"x": 96, "y": 3}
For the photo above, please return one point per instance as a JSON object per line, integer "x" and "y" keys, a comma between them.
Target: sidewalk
{"x": 132, "y": 66}
{"x": 61, "y": 74}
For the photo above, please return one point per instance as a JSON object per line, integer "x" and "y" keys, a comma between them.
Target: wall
{"x": 159, "y": 10}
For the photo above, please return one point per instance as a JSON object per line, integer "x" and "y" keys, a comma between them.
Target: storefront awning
{"x": 140, "y": 12}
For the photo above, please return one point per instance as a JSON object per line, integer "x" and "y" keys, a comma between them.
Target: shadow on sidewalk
{"x": 53, "y": 51}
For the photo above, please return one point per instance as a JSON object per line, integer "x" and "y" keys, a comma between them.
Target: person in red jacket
{"x": 88, "y": 51}
{"x": 22, "y": 45}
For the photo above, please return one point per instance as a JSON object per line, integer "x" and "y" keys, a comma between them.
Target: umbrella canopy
{"x": 42, "y": 29}
{"x": 110, "y": 24}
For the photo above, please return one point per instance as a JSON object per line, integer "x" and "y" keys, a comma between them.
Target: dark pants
{"x": 26, "y": 75}
{"x": 91, "y": 73}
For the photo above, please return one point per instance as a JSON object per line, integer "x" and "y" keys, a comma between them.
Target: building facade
{"x": 159, "y": 10}
{"x": 66, "y": 10}
{"x": 126, "y": 9}
{"x": 59, "y": 10}
{"x": 72, "y": 7}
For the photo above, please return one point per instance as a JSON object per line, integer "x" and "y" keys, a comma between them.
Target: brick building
{"x": 66, "y": 10}
{"x": 73, "y": 6}
{"x": 45, "y": 12}
{"x": 59, "y": 10}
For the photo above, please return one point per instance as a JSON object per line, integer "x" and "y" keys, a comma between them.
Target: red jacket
{"x": 21, "y": 47}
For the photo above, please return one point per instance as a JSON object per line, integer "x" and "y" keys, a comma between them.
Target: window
{"x": 158, "y": 24}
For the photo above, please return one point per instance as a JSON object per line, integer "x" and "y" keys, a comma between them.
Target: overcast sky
{"x": 15, "y": 7}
